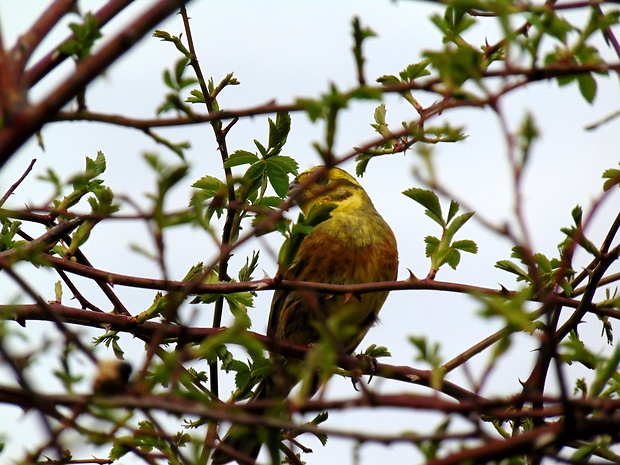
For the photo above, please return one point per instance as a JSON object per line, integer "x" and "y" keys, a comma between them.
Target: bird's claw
{"x": 368, "y": 365}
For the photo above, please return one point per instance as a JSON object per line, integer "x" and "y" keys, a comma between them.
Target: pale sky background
{"x": 281, "y": 50}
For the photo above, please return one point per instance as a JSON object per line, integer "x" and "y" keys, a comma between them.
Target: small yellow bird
{"x": 354, "y": 245}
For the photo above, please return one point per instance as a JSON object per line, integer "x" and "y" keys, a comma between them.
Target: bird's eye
{"x": 323, "y": 180}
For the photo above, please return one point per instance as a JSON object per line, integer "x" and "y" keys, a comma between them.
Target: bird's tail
{"x": 243, "y": 442}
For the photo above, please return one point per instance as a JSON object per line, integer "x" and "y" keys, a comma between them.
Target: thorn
{"x": 261, "y": 285}
{"x": 412, "y": 277}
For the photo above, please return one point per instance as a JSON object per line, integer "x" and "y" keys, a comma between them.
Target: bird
{"x": 352, "y": 245}
{"x": 112, "y": 377}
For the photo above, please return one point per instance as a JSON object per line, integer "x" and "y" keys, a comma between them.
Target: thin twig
{"x": 15, "y": 185}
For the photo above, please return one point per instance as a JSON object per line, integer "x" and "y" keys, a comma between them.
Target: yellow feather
{"x": 353, "y": 246}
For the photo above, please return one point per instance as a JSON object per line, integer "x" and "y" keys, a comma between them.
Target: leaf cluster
{"x": 85, "y": 36}
{"x": 267, "y": 167}
{"x": 443, "y": 250}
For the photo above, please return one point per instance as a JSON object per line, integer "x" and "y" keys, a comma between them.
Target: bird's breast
{"x": 349, "y": 250}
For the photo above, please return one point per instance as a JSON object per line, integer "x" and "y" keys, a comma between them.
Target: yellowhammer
{"x": 354, "y": 245}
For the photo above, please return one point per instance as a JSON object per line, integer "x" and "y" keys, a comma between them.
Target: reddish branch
{"x": 497, "y": 408}
{"x": 270, "y": 284}
{"x": 16, "y": 184}
{"x": 149, "y": 329}
{"x": 120, "y": 120}
{"x": 50, "y": 61}
{"x": 28, "y": 42}
{"x": 540, "y": 440}
{"x": 23, "y": 121}
{"x": 429, "y": 85}
{"x": 545, "y": 439}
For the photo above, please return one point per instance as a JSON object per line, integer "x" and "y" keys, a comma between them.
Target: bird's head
{"x": 321, "y": 186}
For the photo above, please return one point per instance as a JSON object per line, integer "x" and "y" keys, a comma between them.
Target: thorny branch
{"x": 580, "y": 419}
{"x": 22, "y": 121}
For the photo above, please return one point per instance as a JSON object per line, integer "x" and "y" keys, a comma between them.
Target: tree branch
{"x": 26, "y": 121}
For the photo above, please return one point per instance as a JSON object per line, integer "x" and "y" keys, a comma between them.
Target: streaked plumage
{"x": 353, "y": 246}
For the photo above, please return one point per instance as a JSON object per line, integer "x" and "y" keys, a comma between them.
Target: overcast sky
{"x": 280, "y": 50}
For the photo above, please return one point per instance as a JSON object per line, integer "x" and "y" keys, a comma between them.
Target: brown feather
{"x": 353, "y": 246}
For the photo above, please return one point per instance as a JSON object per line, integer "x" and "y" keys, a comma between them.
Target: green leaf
{"x": 453, "y": 258}
{"x": 612, "y": 177}
{"x": 511, "y": 267}
{"x": 381, "y": 126}
{"x": 583, "y": 241}
{"x": 261, "y": 148}
{"x": 362, "y": 163}
{"x": 528, "y": 133}
{"x": 319, "y": 213}
{"x": 119, "y": 449}
{"x": 512, "y": 310}
{"x": 576, "y": 351}
{"x": 240, "y": 157}
{"x": 366, "y": 93}
{"x": 278, "y": 178}
{"x": 466, "y": 246}
{"x": 320, "y": 418}
{"x": 457, "y": 19}
{"x": 211, "y": 186}
{"x": 287, "y": 164}
{"x": 85, "y": 36}
{"x": 457, "y": 65}
{"x": 577, "y": 214}
{"x": 585, "y": 452}
{"x": 604, "y": 373}
{"x": 543, "y": 262}
{"x": 608, "y": 329}
{"x": 278, "y": 131}
{"x": 427, "y": 352}
{"x": 313, "y": 108}
{"x": 246, "y": 271}
{"x": 587, "y": 86}
{"x": 388, "y": 79}
{"x": 166, "y": 37}
{"x": 255, "y": 171}
{"x": 558, "y": 27}
{"x": 95, "y": 167}
{"x": 457, "y": 224}
{"x": 243, "y": 376}
{"x": 376, "y": 351}
{"x": 196, "y": 97}
{"x": 427, "y": 199}
{"x": 179, "y": 68}
{"x": 454, "y": 209}
{"x": 432, "y": 245}
{"x": 270, "y": 201}
{"x": 239, "y": 301}
{"x": 414, "y": 71}
{"x": 168, "y": 79}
